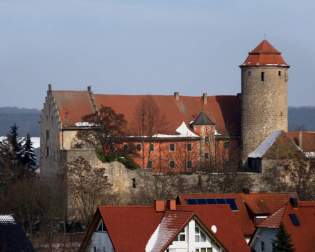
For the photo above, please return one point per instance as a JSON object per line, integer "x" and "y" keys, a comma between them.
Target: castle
{"x": 187, "y": 133}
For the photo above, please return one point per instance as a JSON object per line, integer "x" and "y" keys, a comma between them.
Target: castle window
{"x": 226, "y": 144}
{"x": 171, "y": 164}
{"x": 189, "y": 147}
{"x": 151, "y": 147}
{"x": 125, "y": 147}
{"x": 150, "y": 164}
{"x": 279, "y": 73}
{"x": 189, "y": 164}
{"x": 249, "y": 73}
{"x": 47, "y": 151}
{"x": 172, "y": 147}
{"x": 134, "y": 185}
{"x": 207, "y": 155}
{"x": 138, "y": 147}
{"x": 262, "y": 76}
{"x": 47, "y": 135}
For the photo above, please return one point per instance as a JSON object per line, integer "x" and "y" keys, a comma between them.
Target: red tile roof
{"x": 223, "y": 110}
{"x": 303, "y": 235}
{"x": 248, "y": 205}
{"x": 130, "y": 227}
{"x": 304, "y": 139}
{"x": 264, "y": 54}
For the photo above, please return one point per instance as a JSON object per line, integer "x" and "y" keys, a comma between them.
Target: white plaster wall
{"x": 266, "y": 235}
{"x": 101, "y": 242}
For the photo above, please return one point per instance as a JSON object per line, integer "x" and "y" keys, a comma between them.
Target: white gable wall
{"x": 263, "y": 239}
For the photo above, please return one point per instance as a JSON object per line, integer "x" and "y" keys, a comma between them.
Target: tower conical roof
{"x": 265, "y": 55}
{"x": 203, "y": 119}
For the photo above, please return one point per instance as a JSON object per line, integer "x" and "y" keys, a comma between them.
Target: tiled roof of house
{"x": 223, "y": 110}
{"x": 264, "y": 54}
{"x": 130, "y": 227}
{"x": 302, "y": 229}
{"x": 247, "y": 204}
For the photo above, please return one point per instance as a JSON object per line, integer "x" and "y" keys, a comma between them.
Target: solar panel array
{"x": 213, "y": 201}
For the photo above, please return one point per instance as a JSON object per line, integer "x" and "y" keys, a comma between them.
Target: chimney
{"x": 176, "y": 95}
{"x": 171, "y": 205}
{"x": 49, "y": 89}
{"x": 159, "y": 205}
{"x": 294, "y": 201}
{"x": 204, "y": 98}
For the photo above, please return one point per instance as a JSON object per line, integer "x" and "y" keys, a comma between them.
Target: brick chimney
{"x": 176, "y": 95}
{"x": 204, "y": 98}
{"x": 171, "y": 204}
{"x": 159, "y": 205}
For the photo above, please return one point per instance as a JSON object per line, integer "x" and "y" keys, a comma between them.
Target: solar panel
{"x": 211, "y": 201}
{"x": 221, "y": 201}
{"x": 294, "y": 219}
{"x": 201, "y": 201}
{"x": 192, "y": 202}
{"x": 232, "y": 204}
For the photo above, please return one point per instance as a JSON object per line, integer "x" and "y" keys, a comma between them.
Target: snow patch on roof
{"x": 265, "y": 145}
{"x": 84, "y": 124}
{"x": 153, "y": 240}
{"x": 182, "y": 130}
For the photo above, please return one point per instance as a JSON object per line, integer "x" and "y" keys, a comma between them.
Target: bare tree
{"x": 148, "y": 121}
{"x": 88, "y": 187}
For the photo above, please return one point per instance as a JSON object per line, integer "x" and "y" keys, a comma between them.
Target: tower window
{"x": 249, "y": 73}
{"x": 279, "y": 73}
{"x": 134, "y": 184}
{"x": 262, "y": 76}
{"x": 189, "y": 147}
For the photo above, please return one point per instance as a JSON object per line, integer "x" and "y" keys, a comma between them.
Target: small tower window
{"x": 134, "y": 184}
{"x": 279, "y": 73}
{"x": 262, "y": 76}
{"x": 249, "y": 73}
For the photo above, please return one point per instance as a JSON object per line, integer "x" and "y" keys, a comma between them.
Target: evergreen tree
{"x": 283, "y": 242}
{"x": 15, "y": 143}
{"x": 28, "y": 154}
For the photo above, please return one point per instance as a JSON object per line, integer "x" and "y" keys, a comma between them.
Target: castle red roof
{"x": 130, "y": 227}
{"x": 248, "y": 205}
{"x": 303, "y": 234}
{"x": 223, "y": 110}
{"x": 264, "y": 54}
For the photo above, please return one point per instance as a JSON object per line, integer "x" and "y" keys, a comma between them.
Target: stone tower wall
{"x": 264, "y": 104}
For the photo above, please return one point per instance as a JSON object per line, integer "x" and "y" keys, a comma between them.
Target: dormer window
{"x": 181, "y": 236}
{"x": 199, "y": 235}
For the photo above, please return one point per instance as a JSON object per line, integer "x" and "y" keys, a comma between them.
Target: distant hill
{"x": 28, "y": 119}
{"x": 302, "y": 118}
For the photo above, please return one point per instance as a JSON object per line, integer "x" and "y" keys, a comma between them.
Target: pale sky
{"x": 157, "y": 47}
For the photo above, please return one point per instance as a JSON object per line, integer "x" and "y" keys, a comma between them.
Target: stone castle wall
{"x": 264, "y": 104}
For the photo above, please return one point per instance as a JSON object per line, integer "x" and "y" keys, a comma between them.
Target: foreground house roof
{"x": 299, "y": 222}
{"x": 131, "y": 227}
{"x": 224, "y": 111}
{"x": 247, "y": 205}
{"x": 265, "y": 55}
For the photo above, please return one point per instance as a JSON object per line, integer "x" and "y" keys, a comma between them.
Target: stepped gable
{"x": 72, "y": 106}
{"x": 265, "y": 54}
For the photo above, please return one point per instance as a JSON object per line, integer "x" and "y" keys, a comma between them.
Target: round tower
{"x": 264, "y": 96}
